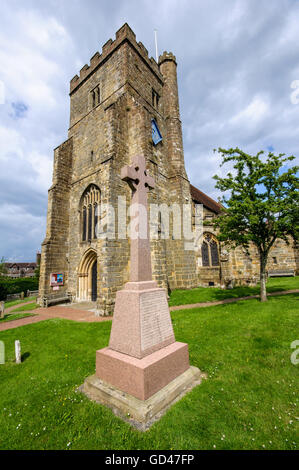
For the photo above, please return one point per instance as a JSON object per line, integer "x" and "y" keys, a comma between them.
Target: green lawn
{"x": 204, "y": 294}
{"x": 11, "y": 303}
{"x": 250, "y": 400}
{"x": 15, "y": 316}
{"x": 24, "y": 308}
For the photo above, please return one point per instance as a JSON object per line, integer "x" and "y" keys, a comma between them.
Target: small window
{"x": 98, "y": 95}
{"x": 274, "y": 260}
{"x": 95, "y": 97}
{"x": 91, "y": 156}
{"x": 155, "y": 99}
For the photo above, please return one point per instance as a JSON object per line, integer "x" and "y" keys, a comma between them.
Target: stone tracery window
{"x": 90, "y": 201}
{"x": 214, "y": 253}
{"x": 96, "y": 218}
{"x": 89, "y": 231}
{"x": 84, "y": 224}
{"x": 205, "y": 254}
{"x": 209, "y": 251}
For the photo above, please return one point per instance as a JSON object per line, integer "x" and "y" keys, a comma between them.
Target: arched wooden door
{"x": 94, "y": 274}
{"x": 87, "y": 277}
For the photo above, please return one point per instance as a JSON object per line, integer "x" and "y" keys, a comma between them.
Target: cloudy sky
{"x": 236, "y": 60}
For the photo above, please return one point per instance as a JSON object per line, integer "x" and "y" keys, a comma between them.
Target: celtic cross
{"x": 140, "y": 183}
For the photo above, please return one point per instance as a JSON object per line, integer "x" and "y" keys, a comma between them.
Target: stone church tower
{"x": 116, "y": 103}
{"x": 113, "y": 103}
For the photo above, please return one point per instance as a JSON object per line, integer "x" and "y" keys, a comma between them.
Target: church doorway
{"x": 94, "y": 273}
{"x": 87, "y": 277}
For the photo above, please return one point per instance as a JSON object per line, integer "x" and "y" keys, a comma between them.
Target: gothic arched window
{"x": 96, "y": 218}
{"x": 84, "y": 224}
{"x": 209, "y": 251}
{"x": 89, "y": 222}
{"x": 214, "y": 253}
{"x": 205, "y": 254}
{"x": 89, "y": 207}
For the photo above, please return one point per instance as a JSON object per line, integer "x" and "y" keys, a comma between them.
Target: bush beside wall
{"x": 14, "y": 286}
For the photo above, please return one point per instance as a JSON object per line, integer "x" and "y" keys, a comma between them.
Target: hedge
{"x": 15, "y": 286}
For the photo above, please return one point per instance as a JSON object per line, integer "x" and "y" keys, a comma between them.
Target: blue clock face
{"x": 156, "y": 134}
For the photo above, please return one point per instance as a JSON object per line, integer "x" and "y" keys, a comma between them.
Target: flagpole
{"x": 156, "y": 44}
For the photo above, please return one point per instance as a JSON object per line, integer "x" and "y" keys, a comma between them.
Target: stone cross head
{"x": 137, "y": 177}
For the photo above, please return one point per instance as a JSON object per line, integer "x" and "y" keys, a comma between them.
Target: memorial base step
{"x": 142, "y": 377}
{"x": 141, "y": 413}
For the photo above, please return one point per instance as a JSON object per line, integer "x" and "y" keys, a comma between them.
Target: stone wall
{"x": 55, "y": 247}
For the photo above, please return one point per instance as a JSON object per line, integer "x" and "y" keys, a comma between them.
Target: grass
{"x": 11, "y": 303}
{"x": 30, "y": 306}
{"x": 15, "y": 316}
{"x": 204, "y": 294}
{"x": 250, "y": 400}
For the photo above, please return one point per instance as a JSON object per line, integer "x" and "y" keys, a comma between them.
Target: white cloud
{"x": 256, "y": 110}
{"x": 21, "y": 232}
{"x": 11, "y": 142}
{"x": 43, "y": 167}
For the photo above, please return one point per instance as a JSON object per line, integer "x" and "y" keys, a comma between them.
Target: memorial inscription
{"x": 155, "y": 321}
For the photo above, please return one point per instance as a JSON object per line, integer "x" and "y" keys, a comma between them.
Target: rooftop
{"x": 202, "y": 198}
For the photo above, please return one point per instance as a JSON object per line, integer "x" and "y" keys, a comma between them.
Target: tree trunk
{"x": 263, "y": 263}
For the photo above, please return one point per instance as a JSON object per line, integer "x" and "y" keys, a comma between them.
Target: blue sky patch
{"x": 19, "y": 109}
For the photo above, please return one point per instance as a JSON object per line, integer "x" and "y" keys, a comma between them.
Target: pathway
{"x": 68, "y": 313}
{"x": 76, "y": 314}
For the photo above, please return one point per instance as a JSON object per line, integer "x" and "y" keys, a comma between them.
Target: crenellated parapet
{"x": 167, "y": 56}
{"x": 125, "y": 33}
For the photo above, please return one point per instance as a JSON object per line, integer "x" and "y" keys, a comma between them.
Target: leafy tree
{"x": 3, "y": 268}
{"x": 262, "y": 203}
{"x": 37, "y": 270}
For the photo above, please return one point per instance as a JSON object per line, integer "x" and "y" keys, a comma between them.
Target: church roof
{"x": 201, "y": 198}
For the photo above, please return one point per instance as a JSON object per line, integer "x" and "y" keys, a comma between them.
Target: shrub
{"x": 15, "y": 286}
